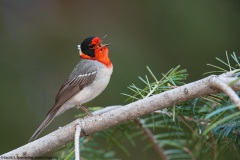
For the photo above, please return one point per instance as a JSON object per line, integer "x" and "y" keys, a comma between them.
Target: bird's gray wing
{"x": 79, "y": 78}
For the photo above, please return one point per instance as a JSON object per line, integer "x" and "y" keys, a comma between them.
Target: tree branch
{"x": 216, "y": 82}
{"x": 116, "y": 115}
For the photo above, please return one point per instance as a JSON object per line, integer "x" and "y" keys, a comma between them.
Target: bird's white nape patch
{"x": 79, "y": 47}
{"x": 87, "y": 74}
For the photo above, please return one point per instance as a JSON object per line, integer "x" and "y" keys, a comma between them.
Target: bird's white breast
{"x": 96, "y": 87}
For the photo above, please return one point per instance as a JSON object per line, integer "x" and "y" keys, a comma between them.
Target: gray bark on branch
{"x": 115, "y": 115}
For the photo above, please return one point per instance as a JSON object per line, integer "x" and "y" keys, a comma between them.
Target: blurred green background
{"x": 38, "y": 50}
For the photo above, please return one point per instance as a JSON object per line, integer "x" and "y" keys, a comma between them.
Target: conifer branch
{"x": 119, "y": 114}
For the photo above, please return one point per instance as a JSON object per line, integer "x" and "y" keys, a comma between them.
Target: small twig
{"x": 216, "y": 82}
{"x": 198, "y": 121}
{"x": 151, "y": 138}
{"x": 77, "y": 142}
{"x": 214, "y": 149}
{"x": 185, "y": 123}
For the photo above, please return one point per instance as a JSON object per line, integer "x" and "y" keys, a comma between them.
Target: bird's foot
{"x": 89, "y": 114}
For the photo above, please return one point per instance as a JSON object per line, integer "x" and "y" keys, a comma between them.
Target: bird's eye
{"x": 91, "y": 46}
{"x": 94, "y": 46}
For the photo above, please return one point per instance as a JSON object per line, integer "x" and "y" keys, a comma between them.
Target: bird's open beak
{"x": 104, "y": 37}
{"x": 106, "y": 45}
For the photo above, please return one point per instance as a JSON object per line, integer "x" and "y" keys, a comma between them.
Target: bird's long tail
{"x": 44, "y": 124}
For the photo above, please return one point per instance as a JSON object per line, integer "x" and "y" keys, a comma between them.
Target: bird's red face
{"x": 93, "y": 49}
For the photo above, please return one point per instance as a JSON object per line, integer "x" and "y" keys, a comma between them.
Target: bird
{"x": 87, "y": 80}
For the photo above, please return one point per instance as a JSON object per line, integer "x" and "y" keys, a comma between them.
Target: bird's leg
{"x": 85, "y": 110}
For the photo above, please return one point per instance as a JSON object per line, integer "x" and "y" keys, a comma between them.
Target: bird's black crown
{"x": 86, "y": 48}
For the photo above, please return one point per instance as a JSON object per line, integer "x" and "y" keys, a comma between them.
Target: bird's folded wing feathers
{"x": 72, "y": 86}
